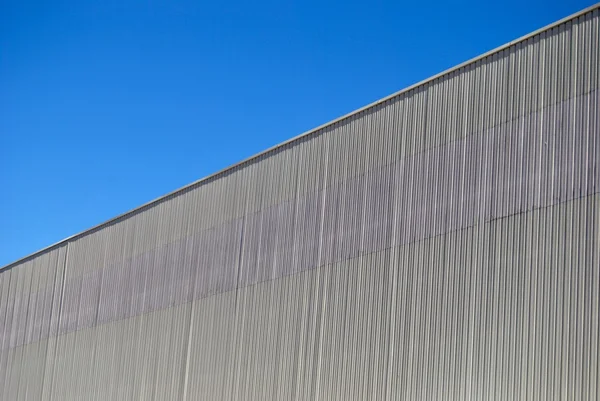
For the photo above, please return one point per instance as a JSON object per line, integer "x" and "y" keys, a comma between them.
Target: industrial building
{"x": 442, "y": 243}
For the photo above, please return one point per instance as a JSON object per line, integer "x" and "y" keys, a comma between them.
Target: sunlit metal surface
{"x": 442, "y": 244}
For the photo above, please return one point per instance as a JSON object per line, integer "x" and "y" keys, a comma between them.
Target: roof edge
{"x": 305, "y": 134}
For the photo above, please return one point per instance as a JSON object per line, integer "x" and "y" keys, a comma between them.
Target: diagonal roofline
{"x": 303, "y": 135}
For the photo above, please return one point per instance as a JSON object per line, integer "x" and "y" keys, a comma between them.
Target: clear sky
{"x": 105, "y": 105}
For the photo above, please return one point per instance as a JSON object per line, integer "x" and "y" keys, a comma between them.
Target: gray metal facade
{"x": 441, "y": 244}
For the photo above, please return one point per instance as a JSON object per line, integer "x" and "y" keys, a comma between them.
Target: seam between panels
{"x": 476, "y": 224}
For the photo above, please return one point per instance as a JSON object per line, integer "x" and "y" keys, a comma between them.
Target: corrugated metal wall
{"x": 443, "y": 244}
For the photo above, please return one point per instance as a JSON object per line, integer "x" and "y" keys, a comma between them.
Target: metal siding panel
{"x": 441, "y": 244}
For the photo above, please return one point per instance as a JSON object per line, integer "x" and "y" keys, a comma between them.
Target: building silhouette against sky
{"x": 442, "y": 243}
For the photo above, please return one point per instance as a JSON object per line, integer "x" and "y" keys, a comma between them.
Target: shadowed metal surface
{"x": 443, "y": 243}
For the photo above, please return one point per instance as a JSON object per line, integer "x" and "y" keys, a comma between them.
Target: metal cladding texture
{"x": 443, "y": 244}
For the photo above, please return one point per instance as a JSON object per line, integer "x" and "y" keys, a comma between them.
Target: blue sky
{"x": 105, "y": 105}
